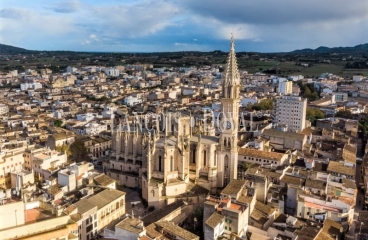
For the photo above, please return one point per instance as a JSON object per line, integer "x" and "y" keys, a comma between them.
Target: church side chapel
{"x": 162, "y": 163}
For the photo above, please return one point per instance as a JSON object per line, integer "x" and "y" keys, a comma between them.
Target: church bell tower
{"x": 229, "y": 123}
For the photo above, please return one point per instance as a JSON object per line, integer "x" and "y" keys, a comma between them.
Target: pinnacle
{"x": 231, "y": 72}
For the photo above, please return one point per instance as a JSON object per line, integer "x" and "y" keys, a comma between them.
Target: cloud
{"x": 86, "y": 42}
{"x": 21, "y": 26}
{"x": 68, "y": 6}
{"x": 132, "y": 20}
{"x": 277, "y": 12}
{"x": 163, "y": 25}
{"x": 181, "y": 44}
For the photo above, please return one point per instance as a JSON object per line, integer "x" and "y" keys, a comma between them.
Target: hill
{"x": 357, "y": 49}
{"x": 7, "y": 49}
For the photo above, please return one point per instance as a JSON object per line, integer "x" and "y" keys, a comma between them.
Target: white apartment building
{"x": 4, "y": 109}
{"x": 131, "y": 101}
{"x": 45, "y": 162}
{"x": 340, "y": 96}
{"x": 70, "y": 69}
{"x": 296, "y": 77}
{"x": 94, "y": 128}
{"x": 112, "y": 72}
{"x": 86, "y": 117}
{"x": 358, "y": 78}
{"x": 26, "y": 86}
{"x": 14, "y": 73}
{"x": 292, "y": 112}
{"x": 285, "y": 88}
{"x": 71, "y": 175}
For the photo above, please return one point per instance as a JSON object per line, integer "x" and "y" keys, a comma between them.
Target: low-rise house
{"x": 262, "y": 157}
{"x": 340, "y": 170}
{"x": 59, "y": 139}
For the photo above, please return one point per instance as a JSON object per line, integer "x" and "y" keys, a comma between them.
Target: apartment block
{"x": 291, "y": 111}
{"x": 285, "y": 88}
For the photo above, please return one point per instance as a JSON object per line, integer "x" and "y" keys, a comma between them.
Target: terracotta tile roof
{"x": 259, "y": 217}
{"x": 261, "y": 154}
{"x": 103, "y": 180}
{"x": 233, "y": 187}
{"x": 348, "y": 183}
{"x": 163, "y": 212}
{"x": 131, "y": 224}
{"x": 292, "y": 180}
{"x": 349, "y": 153}
{"x": 280, "y": 134}
{"x": 264, "y": 208}
{"x": 338, "y": 167}
{"x": 315, "y": 184}
{"x": 214, "y": 220}
{"x": 176, "y": 230}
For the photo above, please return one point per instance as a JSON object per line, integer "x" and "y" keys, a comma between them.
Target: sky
{"x": 182, "y": 25}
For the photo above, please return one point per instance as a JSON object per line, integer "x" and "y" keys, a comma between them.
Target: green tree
{"x": 63, "y": 148}
{"x": 363, "y": 124}
{"x": 58, "y": 123}
{"x": 313, "y": 114}
{"x": 344, "y": 114}
{"x": 246, "y": 165}
{"x": 79, "y": 151}
{"x": 266, "y": 104}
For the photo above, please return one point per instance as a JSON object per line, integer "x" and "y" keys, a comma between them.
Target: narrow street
{"x": 359, "y": 203}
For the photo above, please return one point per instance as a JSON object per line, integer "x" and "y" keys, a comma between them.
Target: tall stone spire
{"x": 232, "y": 76}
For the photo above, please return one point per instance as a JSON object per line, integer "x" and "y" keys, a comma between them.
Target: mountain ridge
{"x": 8, "y": 49}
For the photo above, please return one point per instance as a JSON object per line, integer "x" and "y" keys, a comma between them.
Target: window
{"x": 225, "y": 228}
{"x": 171, "y": 164}
{"x": 229, "y": 228}
{"x": 160, "y": 163}
{"x": 204, "y": 158}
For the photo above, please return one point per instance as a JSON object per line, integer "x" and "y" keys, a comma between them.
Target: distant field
{"x": 253, "y": 66}
{"x": 351, "y": 72}
{"x": 287, "y": 68}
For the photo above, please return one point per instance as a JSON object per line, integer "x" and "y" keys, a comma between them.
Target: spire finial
{"x": 232, "y": 47}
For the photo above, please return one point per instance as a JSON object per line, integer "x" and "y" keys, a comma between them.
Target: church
{"x": 162, "y": 163}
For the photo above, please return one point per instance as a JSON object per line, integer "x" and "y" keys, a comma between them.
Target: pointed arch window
{"x": 226, "y": 168}
{"x": 226, "y": 162}
{"x": 204, "y": 157}
{"x": 194, "y": 155}
{"x": 160, "y": 163}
